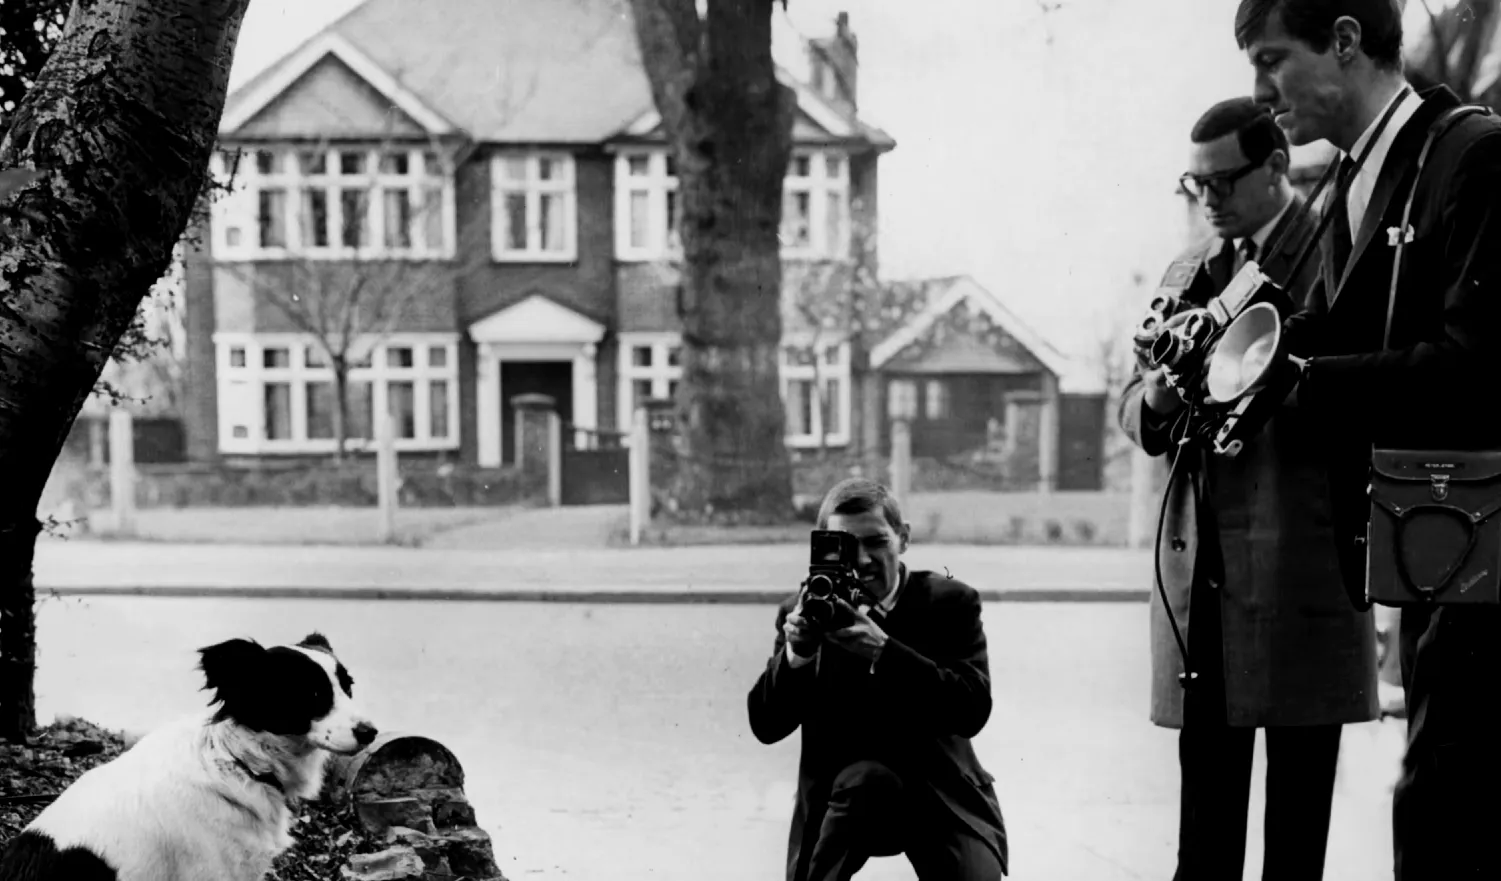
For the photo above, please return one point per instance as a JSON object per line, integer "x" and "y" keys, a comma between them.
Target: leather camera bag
{"x": 1434, "y": 534}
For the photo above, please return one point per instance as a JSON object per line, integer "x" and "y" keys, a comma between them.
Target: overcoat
{"x": 1296, "y": 650}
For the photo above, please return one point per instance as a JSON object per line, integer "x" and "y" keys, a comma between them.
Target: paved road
{"x": 747, "y": 573}
{"x": 609, "y": 742}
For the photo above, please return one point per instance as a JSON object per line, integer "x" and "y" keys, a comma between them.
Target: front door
{"x": 551, "y": 378}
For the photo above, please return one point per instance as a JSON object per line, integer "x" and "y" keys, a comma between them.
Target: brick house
{"x": 560, "y": 206}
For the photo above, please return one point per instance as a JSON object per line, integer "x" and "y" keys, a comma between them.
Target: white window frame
{"x": 660, "y": 374}
{"x": 837, "y": 372}
{"x": 379, "y": 374}
{"x": 241, "y": 208}
{"x": 533, "y": 187}
{"x": 662, "y": 243}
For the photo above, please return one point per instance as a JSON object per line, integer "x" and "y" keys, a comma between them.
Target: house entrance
{"x": 551, "y": 378}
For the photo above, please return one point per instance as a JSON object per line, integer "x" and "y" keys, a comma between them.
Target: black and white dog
{"x": 205, "y": 798}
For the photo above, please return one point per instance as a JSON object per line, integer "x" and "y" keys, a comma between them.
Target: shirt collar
{"x": 1261, "y": 235}
{"x": 1405, "y": 110}
{"x": 889, "y": 601}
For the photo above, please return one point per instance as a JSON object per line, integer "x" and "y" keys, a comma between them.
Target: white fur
{"x": 178, "y": 807}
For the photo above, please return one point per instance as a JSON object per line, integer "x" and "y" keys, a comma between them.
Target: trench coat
{"x": 1295, "y": 649}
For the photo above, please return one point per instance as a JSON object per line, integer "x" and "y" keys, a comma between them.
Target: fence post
{"x": 554, "y": 458}
{"x": 386, "y": 476}
{"x": 640, "y": 474}
{"x": 901, "y": 459}
{"x": 122, "y": 470}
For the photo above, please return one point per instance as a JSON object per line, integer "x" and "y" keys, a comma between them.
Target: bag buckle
{"x": 1438, "y": 486}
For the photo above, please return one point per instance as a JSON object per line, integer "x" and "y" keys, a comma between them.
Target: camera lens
{"x": 820, "y": 586}
{"x": 1165, "y": 349}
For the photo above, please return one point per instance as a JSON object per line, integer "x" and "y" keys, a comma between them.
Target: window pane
{"x": 640, "y": 393}
{"x": 551, "y": 221}
{"x": 361, "y": 409}
{"x": 673, "y": 239}
{"x": 351, "y": 163}
{"x": 641, "y": 356}
{"x": 547, "y": 169}
{"x": 834, "y": 224}
{"x": 674, "y": 353}
{"x": 354, "y": 204}
{"x": 799, "y": 405}
{"x": 276, "y": 358}
{"x": 313, "y": 161}
{"x": 832, "y": 412}
{"x": 672, "y": 165}
{"x": 237, "y": 356}
{"x": 672, "y": 389}
{"x": 639, "y": 215}
{"x": 901, "y": 399}
{"x": 268, "y": 162}
{"x": 515, "y": 219}
{"x": 393, "y": 163}
{"x": 401, "y": 397}
{"x": 315, "y": 218}
{"x": 437, "y": 406}
{"x": 638, "y": 166}
{"x": 398, "y": 356}
{"x": 278, "y": 408}
{"x": 321, "y": 402}
{"x": 795, "y": 219}
{"x": 398, "y": 219}
{"x": 431, "y": 165}
{"x": 273, "y": 218}
{"x": 437, "y": 356}
{"x": 937, "y": 400}
{"x": 834, "y": 166}
{"x": 801, "y": 166}
{"x": 432, "y": 219}
{"x": 797, "y": 356}
{"x": 312, "y": 356}
{"x": 513, "y": 169}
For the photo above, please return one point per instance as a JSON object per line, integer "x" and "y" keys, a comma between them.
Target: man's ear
{"x": 228, "y": 665}
{"x": 905, "y": 536}
{"x": 1346, "y": 39}
{"x": 1278, "y": 163}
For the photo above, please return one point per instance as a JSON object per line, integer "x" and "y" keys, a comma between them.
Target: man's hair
{"x": 857, "y": 495}
{"x": 1252, "y": 124}
{"x": 1312, "y": 22}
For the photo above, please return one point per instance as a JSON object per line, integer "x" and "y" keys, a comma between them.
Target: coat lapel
{"x": 1400, "y": 160}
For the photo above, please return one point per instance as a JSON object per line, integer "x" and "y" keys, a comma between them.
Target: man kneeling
{"x": 887, "y": 706}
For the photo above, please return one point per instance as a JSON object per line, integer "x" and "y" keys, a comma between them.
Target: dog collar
{"x": 265, "y": 778}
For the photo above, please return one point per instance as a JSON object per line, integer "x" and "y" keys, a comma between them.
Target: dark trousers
{"x": 1446, "y": 810}
{"x": 1215, "y": 760}
{"x": 871, "y": 813}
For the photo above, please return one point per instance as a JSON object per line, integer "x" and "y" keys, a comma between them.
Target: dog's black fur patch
{"x": 33, "y": 856}
{"x": 278, "y": 690}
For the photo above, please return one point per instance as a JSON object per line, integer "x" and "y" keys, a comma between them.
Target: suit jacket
{"x": 1445, "y": 346}
{"x": 1295, "y": 650}
{"x": 915, "y": 712}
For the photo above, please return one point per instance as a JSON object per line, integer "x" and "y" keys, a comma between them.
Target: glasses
{"x": 1220, "y": 184}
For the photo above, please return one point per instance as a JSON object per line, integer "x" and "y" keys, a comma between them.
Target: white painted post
{"x": 640, "y": 474}
{"x": 901, "y": 459}
{"x": 386, "y": 476}
{"x": 122, "y": 470}
{"x": 554, "y": 458}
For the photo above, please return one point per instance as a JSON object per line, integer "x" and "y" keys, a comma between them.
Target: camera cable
{"x": 1183, "y": 442}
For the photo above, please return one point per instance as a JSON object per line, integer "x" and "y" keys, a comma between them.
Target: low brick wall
{"x": 408, "y": 792}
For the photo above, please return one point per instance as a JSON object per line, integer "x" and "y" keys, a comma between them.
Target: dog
{"x": 209, "y": 797}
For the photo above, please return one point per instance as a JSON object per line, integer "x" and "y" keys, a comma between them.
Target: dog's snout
{"x": 364, "y": 733}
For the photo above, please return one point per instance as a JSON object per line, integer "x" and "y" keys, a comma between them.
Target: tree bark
{"x": 122, "y": 120}
{"x": 729, "y": 127}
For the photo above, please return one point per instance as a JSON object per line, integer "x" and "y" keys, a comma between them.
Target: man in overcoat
{"x": 1248, "y": 562}
{"x": 1332, "y": 70}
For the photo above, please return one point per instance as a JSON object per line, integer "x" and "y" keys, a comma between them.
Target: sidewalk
{"x": 737, "y": 574}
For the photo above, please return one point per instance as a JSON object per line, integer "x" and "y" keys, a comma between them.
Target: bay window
{"x": 277, "y": 393}
{"x": 532, "y": 206}
{"x": 341, "y": 202}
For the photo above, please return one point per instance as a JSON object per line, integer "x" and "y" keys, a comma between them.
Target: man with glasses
{"x": 1248, "y": 563}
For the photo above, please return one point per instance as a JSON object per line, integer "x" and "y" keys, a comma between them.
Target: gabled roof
{"x": 948, "y": 294}
{"x": 507, "y": 71}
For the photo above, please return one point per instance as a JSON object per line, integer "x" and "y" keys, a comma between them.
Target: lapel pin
{"x": 1392, "y": 232}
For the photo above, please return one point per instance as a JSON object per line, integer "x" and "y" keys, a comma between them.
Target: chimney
{"x": 834, "y": 63}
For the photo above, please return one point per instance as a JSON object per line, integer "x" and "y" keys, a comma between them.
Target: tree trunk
{"x": 341, "y": 408}
{"x": 122, "y": 121}
{"x": 729, "y": 126}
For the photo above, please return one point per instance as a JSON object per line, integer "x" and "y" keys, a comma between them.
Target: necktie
{"x": 1246, "y": 254}
{"x": 1343, "y": 238}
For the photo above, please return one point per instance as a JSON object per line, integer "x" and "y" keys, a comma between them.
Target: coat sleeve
{"x": 776, "y": 702}
{"x": 1146, "y": 428}
{"x": 1425, "y": 382}
{"x": 950, "y": 693}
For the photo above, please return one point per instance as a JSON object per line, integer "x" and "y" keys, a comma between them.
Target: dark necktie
{"x": 1341, "y": 209}
{"x": 1246, "y": 255}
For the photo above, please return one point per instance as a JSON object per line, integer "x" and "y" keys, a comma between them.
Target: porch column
{"x": 487, "y": 393}
{"x": 1047, "y": 435}
{"x": 585, "y": 388}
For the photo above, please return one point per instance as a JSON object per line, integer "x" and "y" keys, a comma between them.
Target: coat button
{"x": 1179, "y": 544}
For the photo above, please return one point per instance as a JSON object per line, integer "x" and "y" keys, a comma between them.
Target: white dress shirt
{"x": 1358, "y": 198}
{"x": 1260, "y": 237}
{"x": 885, "y": 605}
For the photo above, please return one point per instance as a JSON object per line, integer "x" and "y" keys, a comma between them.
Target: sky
{"x": 1038, "y": 153}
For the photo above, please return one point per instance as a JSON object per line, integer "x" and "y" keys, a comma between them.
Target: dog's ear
{"x": 225, "y": 666}
{"x": 316, "y": 640}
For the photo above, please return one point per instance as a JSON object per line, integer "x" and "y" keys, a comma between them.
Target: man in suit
{"x": 1332, "y": 69}
{"x": 887, "y": 707}
{"x": 1247, "y": 561}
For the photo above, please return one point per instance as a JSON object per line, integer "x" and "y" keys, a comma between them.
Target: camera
{"x": 1163, "y": 307}
{"x": 832, "y": 574}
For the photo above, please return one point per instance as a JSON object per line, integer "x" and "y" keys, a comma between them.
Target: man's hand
{"x": 864, "y": 638}
{"x": 1162, "y": 398}
{"x": 801, "y": 637}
